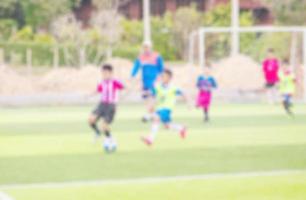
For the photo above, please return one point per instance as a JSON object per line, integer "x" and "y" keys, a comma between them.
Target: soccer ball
{"x": 109, "y": 146}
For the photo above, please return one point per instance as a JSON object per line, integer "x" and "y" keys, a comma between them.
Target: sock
{"x": 287, "y": 106}
{"x": 95, "y": 128}
{"x": 176, "y": 127}
{"x": 206, "y": 114}
{"x": 107, "y": 134}
{"x": 154, "y": 130}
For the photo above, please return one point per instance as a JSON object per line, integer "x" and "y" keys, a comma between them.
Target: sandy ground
{"x": 234, "y": 74}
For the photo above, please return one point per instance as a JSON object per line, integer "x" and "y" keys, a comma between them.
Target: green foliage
{"x": 42, "y": 54}
{"x": 289, "y": 12}
{"x": 7, "y": 26}
{"x": 218, "y": 45}
{"x": 163, "y": 38}
{"x": 246, "y": 39}
{"x": 132, "y": 31}
{"x": 7, "y": 7}
{"x": 24, "y": 34}
{"x": 279, "y": 41}
{"x": 44, "y": 38}
{"x": 161, "y": 35}
{"x": 40, "y": 12}
{"x": 128, "y": 52}
{"x": 185, "y": 20}
{"x": 218, "y": 16}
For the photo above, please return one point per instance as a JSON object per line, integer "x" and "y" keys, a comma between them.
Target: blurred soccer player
{"x": 205, "y": 84}
{"x": 165, "y": 98}
{"x": 150, "y": 64}
{"x": 106, "y": 109}
{"x": 287, "y": 85}
{"x": 270, "y": 70}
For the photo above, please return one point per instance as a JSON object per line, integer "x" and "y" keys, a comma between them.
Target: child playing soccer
{"x": 270, "y": 70}
{"x": 150, "y": 64}
{"x": 287, "y": 86}
{"x": 205, "y": 84}
{"x": 165, "y": 98}
{"x": 106, "y": 109}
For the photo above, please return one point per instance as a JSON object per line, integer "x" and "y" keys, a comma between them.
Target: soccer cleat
{"x": 144, "y": 120}
{"x": 147, "y": 141}
{"x": 183, "y": 133}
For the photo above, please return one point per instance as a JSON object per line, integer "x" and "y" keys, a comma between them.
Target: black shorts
{"x": 270, "y": 85}
{"x": 106, "y": 112}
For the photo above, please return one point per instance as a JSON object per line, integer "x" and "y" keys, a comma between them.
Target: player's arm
{"x": 119, "y": 85}
{"x": 198, "y": 84}
{"x": 136, "y": 68}
{"x": 160, "y": 64}
{"x": 214, "y": 83}
{"x": 98, "y": 90}
{"x": 182, "y": 95}
{"x": 153, "y": 94}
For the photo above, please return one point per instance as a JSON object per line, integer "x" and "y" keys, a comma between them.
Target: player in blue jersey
{"x": 206, "y": 83}
{"x": 150, "y": 65}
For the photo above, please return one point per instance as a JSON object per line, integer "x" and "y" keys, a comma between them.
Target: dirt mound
{"x": 12, "y": 83}
{"x": 81, "y": 80}
{"x": 70, "y": 80}
{"x": 234, "y": 73}
{"x": 238, "y": 72}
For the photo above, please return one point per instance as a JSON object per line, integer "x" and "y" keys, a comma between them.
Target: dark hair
{"x": 271, "y": 50}
{"x": 168, "y": 72}
{"x": 286, "y": 61}
{"x": 107, "y": 67}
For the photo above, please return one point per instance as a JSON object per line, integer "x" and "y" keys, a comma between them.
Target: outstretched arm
{"x": 214, "y": 83}
{"x": 136, "y": 68}
{"x": 160, "y": 64}
{"x": 184, "y": 97}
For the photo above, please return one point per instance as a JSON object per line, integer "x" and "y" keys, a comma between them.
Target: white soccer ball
{"x": 109, "y": 146}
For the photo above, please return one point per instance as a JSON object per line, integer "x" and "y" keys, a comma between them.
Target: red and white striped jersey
{"x": 109, "y": 90}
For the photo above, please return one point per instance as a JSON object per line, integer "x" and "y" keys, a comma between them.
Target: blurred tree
{"x": 185, "y": 20}
{"x": 7, "y": 7}
{"x": 12, "y": 10}
{"x": 218, "y": 16}
{"x": 289, "y": 12}
{"x": 40, "y": 13}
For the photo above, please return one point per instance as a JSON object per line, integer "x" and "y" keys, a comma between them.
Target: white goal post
{"x": 202, "y": 32}
{"x": 235, "y": 31}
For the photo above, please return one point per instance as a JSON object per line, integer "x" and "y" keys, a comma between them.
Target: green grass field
{"x": 54, "y": 145}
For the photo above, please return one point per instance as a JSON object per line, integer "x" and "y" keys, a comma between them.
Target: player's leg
{"x": 108, "y": 117}
{"x": 149, "y": 140}
{"x": 271, "y": 92}
{"x": 206, "y": 107}
{"x": 287, "y": 103}
{"x": 149, "y": 104}
{"x": 93, "y": 119}
{"x": 206, "y": 113}
{"x": 93, "y": 123}
{"x": 167, "y": 120}
{"x": 179, "y": 128}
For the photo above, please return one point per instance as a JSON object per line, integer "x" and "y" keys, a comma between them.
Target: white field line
{"x": 151, "y": 180}
{"x": 4, "y": 196}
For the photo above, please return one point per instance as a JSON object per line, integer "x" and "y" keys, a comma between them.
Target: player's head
{"x": 286, "y": 65}
{"x": 107, "y": 71}
{"x": 147, "y": 46}
{"x": 207, "y": 70}
{"x": 166, "y": 76}
{"x": 270, "y": 52}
